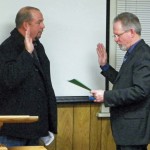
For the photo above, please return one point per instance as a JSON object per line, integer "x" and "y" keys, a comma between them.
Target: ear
{"x": 132, "y": 32}
{"x": 25, "y": 25}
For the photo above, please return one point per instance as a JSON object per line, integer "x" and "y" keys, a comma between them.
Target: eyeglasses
{"x": 118, "y": 35}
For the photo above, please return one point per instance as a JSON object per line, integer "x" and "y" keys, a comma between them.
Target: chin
{"x": 38, "y": 37}
{"x": 123, "y": 48}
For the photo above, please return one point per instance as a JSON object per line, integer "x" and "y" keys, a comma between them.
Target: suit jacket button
{"x": 36, "y": 70}
{"x": 39, "y": 89}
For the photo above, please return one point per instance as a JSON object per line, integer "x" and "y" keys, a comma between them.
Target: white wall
{"x": 73, "y": 29}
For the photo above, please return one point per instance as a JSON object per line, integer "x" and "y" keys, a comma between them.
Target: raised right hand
{"x": 102, "y": 54}
{"x": 28, "y": 41}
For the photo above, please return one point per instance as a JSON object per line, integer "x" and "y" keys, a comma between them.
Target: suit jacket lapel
{"x": 125, "y": 64}
{"x": 129, "y": 59}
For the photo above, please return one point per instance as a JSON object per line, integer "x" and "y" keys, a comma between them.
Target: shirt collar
{"x": 133, "y": 46}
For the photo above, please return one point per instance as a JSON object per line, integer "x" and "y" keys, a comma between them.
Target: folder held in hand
{"x": 78, "y": 83}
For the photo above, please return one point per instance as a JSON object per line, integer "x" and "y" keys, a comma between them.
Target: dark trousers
{"x": 135, "y": 147}
{"x": 12, "y": 141}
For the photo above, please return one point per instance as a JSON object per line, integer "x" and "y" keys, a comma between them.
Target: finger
{"x": 100, "y": 47}
{"x": 93, "y": 92}
{"x": 100, "y": 52}
{"x": 97, "y": 101}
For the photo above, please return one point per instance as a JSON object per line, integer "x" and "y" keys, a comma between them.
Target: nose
{"x": 116, "y": 38}
{"x": 42, "y": 25}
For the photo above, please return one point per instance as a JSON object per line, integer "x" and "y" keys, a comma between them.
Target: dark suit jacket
{"x": 26, "y": 89}
{"x": 129, "y": 101}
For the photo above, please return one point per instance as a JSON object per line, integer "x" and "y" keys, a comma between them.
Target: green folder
{"x": 78, "y": 83}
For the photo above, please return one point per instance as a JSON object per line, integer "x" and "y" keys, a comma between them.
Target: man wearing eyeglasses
{"x": 129, "y": 100}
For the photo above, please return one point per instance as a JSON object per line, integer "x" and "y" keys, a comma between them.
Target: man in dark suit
{"x": 25, "y": 83}
{"x": 129, "y": 100}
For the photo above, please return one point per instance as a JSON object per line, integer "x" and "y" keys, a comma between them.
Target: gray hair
{"x": 129, "y": 21}
{"x": 24, "y": 14}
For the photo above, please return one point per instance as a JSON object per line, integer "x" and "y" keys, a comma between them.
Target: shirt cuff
{"x": 105, "y": 67}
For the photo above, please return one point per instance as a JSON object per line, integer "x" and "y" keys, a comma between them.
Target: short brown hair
{"x": 24, "y": 14}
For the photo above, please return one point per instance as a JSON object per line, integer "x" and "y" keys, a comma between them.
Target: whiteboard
{"x": 72, "y": 30}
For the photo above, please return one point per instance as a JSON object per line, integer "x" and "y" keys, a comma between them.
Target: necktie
{"x": 126, "y": 56}
{"x": 35, "y": 55}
